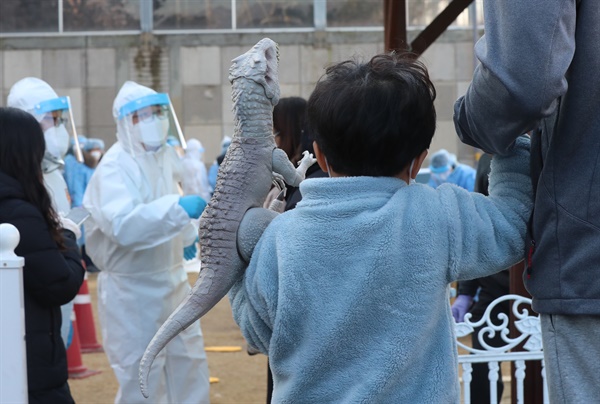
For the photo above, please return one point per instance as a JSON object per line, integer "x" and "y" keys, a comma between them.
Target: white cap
{"x": 194, "y": 145}
{"x": 226, "y": 141}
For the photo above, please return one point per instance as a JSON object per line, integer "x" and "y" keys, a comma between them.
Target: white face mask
{"x": 440, "y": 178}
{"x": 57, "y": 141}
{"x": 153, "y": 133}
{"x": 410, "y": 178}
{"x": 327, "y": 165}
{"x": 96, "y": 154}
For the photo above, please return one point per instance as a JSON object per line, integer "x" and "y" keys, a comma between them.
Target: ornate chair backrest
{"x": 530, "y": 336}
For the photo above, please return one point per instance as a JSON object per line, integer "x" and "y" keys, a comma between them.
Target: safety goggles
{"x": 147, "y": 114}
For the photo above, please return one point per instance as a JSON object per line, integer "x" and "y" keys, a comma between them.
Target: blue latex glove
{"x": 461, "y": 306}
{"x": 189, "y": 252}
{"x": 193, "y": 205}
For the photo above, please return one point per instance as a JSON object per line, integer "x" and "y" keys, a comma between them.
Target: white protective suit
{"x": 24, "y": 95}
{"x": 195, "y": 176}
{"x": 135, "y": 236}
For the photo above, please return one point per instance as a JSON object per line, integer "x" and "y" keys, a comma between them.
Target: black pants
{"x": 58, "y": 395}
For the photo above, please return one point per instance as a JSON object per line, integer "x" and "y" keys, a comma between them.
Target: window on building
{"x": 422, "y": 12}
{"x": 354, "y": 13}
{"x": 192, "y": 14}
{"x": 23, "y": 16}
{"x": 100, "y": 15}
{"x": 274, "y": 13}
{"x": 28, "y": 16}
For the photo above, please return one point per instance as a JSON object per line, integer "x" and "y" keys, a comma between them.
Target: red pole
{"x": 85, "y": 320}
{"x": 77, "y": 369}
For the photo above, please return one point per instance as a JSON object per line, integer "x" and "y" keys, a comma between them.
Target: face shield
{"x": 148, "y": 122}
{"x": 58, "y": 126}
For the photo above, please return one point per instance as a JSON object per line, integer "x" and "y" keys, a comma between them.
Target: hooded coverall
{"x": 136, "y": 235}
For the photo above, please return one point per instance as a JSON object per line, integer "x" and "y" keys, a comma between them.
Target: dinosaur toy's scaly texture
{"x": 234, "y": 218}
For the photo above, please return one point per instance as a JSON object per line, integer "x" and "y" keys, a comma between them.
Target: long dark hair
{"x": 22, "y": 149}
{"x": 289, "y": 121}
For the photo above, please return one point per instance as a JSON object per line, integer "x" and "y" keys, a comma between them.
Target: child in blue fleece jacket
{"x": 348, "y": 294}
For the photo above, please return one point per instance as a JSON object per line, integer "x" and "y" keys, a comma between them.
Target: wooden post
{"x": 438, "y": 26}
{"x": 394, "y": 16}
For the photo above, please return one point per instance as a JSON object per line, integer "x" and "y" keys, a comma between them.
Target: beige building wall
{"x": 193, "y": 69}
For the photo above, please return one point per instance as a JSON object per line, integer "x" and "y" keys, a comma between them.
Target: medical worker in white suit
{"x": 195, "y": 178}
{"x": 139, "y": 230}
{"x": 54, "y": 114}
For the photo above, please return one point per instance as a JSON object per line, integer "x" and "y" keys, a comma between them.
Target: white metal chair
{"x": 530, "y": 332}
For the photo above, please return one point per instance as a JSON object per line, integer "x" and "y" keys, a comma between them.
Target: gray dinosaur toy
{"x": 234, "y": 219}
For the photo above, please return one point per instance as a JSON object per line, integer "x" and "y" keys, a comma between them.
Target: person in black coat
{"x": 294, "y": 137}
{"x": 53, "y": 272}
{"x": 293, "y": 193}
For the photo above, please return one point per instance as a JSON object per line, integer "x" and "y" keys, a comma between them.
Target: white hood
{"x": 130, "y": 91}
{"x": 194, "y": 150}
{"x": 26, "y": 93}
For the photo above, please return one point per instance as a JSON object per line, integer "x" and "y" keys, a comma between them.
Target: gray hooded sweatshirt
{"x": 540, "y": 69}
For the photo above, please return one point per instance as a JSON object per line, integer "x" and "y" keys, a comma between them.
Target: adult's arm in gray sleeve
{"x": 524, "y": 57}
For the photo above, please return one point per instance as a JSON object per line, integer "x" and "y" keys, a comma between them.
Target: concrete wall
{"x": 193, "y": 69}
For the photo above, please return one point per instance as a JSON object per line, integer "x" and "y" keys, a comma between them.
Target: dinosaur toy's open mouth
{"x": 269, "y": 80}
{"x": 272, "y": 56}
{"x": 259, "y": 64}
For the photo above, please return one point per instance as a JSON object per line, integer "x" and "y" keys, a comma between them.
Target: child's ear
{"x": 321, "y": 161}
{"x": 418, "y": 162}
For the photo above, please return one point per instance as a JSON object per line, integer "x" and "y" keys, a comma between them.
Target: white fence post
{"x": 13, "y": 365}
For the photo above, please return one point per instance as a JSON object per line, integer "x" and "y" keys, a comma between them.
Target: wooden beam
{"x": 394, "y": 15}
{"x": 438, "y": 26}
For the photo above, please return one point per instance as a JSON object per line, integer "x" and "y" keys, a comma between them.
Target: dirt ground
{"x": 242, "y": 378}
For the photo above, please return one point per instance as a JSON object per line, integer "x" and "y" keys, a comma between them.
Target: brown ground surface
{"x": 242, "y": 378}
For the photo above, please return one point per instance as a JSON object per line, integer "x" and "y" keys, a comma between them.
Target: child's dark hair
{"x": 22, "y": 148}
{"x": 373, "y": 118}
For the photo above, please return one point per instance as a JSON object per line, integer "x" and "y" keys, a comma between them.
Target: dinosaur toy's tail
{"x": 181, "y": 318}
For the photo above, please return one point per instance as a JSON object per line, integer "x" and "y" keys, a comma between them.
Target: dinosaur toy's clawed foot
{"x": 282, "y": 165}
{"x": 278, "y": 204}
{"x": 252, "y": 226}
{"x": 279, "y": 181}
{"x": 303, "y": 165}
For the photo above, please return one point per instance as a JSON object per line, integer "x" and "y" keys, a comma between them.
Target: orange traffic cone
{"x": 74, "y": 363}
{"x": 85, "y": 320}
